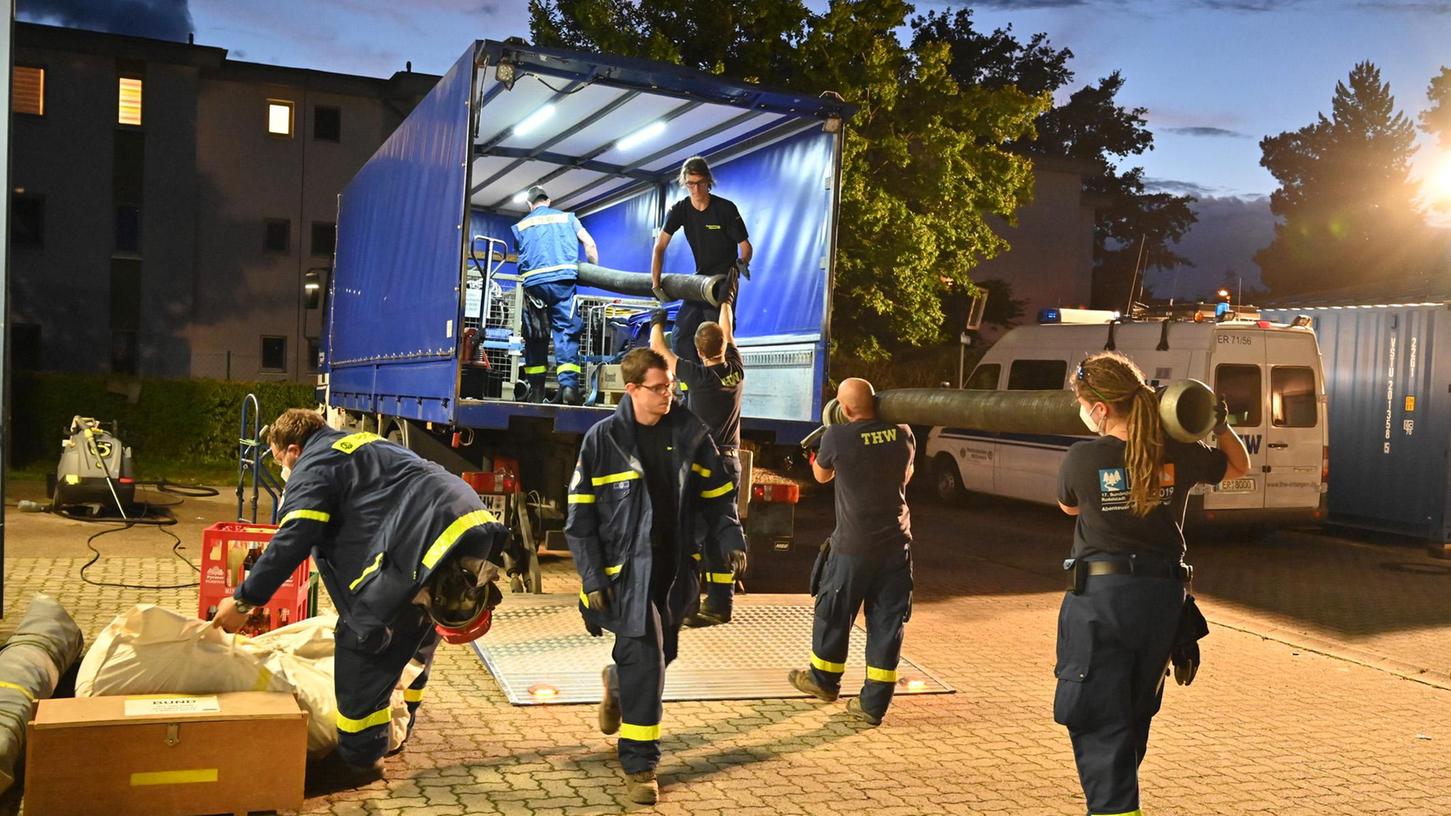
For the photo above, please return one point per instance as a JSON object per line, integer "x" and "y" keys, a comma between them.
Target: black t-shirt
{"x": 657, "y": 457}
{"x": 870, "y": 458}
{"x": 1093, "y": 479}
{"x": 713, "y": 393}
{"x": 713, "y": 232}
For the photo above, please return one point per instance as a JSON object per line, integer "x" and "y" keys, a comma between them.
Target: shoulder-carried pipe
{"x": 706, "y": 289}
{"x": 1185, "y": 406}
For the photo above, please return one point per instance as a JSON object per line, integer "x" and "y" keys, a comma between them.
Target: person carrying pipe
{"x": 868, "y": 558}
{"x": 718, "y": 241}
{"x": 406, "y": 550}
{"x": 548, "y": 242}
{"x": 1123, "y": 619}
{"x": 713, "y": 393}
{"x": 647, "y": 489}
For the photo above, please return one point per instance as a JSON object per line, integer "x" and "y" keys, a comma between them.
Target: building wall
{"x": 1051, "y": 260}
{"x": 210, "y": 174}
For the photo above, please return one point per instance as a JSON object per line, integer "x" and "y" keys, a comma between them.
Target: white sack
{"x": 153, "y": 650}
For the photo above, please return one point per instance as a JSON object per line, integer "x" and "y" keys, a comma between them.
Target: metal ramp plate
{"x": 539, "y": 653}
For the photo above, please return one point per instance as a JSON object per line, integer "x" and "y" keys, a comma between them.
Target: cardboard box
{"x": 224, "y": 552}
{"x": 166, "y": 754}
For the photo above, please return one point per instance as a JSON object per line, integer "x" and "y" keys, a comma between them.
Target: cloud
{"x": 1246, "y": 5}
{"x": 1176, "y": 187}
{"x": 158, "y": 19}
{"x": 1432, "y": 7}
{"x": 1222, "y": 245}
{"x": 1205, "y": 130}
{"x": 1027, "y": 5}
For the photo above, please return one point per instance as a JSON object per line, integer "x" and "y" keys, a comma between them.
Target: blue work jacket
{"x": 608, "y": 527}
{"x": 548, "y": 246}
{"x": 376, "y": 518}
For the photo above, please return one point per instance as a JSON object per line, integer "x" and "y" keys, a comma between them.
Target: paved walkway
{"x": 1269, "y": 727}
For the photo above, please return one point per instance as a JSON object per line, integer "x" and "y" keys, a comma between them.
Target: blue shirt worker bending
{"x": 548, "y": 242}
{"x": 868, "y": 558}
{"x": 713, "y": 393}
{"x": 406, "y": 550}
{"x": 648, "y": 488}
{"x": 718, "y": 242}
{"x": 1127, "y": 613}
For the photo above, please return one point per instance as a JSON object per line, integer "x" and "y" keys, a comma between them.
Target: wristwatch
{"x": 243, "y": 607}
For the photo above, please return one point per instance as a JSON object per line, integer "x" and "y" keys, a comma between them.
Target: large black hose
{"x": 702, "y": 288}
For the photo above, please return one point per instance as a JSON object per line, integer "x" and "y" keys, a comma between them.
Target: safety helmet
{"x": 461, "y": 609}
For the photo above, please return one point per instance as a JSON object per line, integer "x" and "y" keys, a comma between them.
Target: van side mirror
{"x": 314, "y": 281}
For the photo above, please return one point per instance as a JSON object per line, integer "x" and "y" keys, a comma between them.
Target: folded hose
{"x": 44, "y": 646}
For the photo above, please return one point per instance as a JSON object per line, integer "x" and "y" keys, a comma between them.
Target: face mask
{"x": 1086, "y": 414}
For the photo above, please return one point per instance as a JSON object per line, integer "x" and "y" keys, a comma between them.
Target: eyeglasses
{"x": 661, "y": 390}
{"x": 701, "y": 183}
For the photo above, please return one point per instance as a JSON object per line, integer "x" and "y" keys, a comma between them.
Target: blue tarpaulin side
{"x": 399, "y": 252}
{"x": 784, "y": 198}
{"x": 497, "y": 226}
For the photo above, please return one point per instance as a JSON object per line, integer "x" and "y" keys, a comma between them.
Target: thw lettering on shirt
{"x": 879, "y": 437}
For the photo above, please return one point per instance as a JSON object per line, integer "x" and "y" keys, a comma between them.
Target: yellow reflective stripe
{"x": 1135, "y": 812}
{"x": 16, "y": 687}
{"x": 881, "y": 675}
{"x": 368, "y": 570}
{"x": 611, "y": 478}
{"x": 445, "y": 539}
{"x": 539, "y": 369}
{"x": 412, "y": 695}
{"x": 717, "y": 491}
{"x": 696, "y": 556}
{"x": 564, "y": 368}
{"x": 615, "y": 570}
{"x": 581, "y": 498}
{"x": 703, "y": 471}
{"x": 827, "y": 665}
{"x": 352, "y": 442}
{"x": 306, "y": 515}
{"x": 541, "y": 220}
{"x": 639, "y": 733}
{"x": 583, "y": 598}
{"x": 380, "y": 717}
{"x": 173, "y": 777}
{"x": 557, "y": 267}
{"x": 720, "y": 577}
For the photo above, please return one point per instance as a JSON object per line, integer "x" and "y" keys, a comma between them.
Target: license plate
{"x": 1236, "y": 486}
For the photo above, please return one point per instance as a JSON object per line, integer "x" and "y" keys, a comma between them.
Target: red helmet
{"x": 461, "y": 608}
{"x": 469, "y": 633}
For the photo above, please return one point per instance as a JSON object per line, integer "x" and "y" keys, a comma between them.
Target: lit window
{"x": 129, "y": 108}
{"x": 279, "y": 117}
{"x": 28, "y": 95}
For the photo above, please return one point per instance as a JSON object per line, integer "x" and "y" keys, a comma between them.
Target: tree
{"x": 1346, "y": 200}
{"x": 1436, "y": 119}
{"x": 924, "y": 159}
{"x": 1091, "y": 127}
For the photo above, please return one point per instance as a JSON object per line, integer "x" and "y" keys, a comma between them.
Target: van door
{"x": 973, "y": 450}
{"x": 1027, "y": 464}
{"x": 1294, "y": 434}
{"x": 1238, "y": 359}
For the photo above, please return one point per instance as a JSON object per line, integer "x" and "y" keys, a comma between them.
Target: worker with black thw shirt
{"x": 868, "y": 558}
{"x": 713, "y": 393}
{"x": 1127, "y": 614}
{"x": 718, "y": 241}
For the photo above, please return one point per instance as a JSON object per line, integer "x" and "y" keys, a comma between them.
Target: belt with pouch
{"x": 1079, "y": 570}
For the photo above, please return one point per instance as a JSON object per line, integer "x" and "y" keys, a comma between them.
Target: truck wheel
{"x": 946, "y": 481}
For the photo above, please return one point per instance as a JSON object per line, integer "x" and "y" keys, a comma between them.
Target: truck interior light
{"x": 641, "y": 136}
{"x": 534, "y": 120}
{"x": 522, "y": 197}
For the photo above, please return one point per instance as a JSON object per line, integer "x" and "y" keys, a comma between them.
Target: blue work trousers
{"x": 720, "y": 580}
{"x": 565, "y": 326}
{"x": 637, "y": 680}
{"x": 364, "y": 679}
{"x": 884, "y": 584}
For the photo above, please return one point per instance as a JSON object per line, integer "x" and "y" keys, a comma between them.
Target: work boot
{"x": 705, "y": 617}
{"x": 855, "y": 711}
{"x": 804, "y": 682}
{"x": 609, "y": 707}
{"x": 642, "y": 788}
{"x": 569, "y": 395}
{"x": 535, "y": 393}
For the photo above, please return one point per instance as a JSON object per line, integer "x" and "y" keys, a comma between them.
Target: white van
{"x": 1269, "y": 374}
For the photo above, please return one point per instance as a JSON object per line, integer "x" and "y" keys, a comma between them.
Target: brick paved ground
{"x": 1269, "y": 727}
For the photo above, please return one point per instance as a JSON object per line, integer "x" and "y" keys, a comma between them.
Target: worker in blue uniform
{"x": 406, "y": 550}
{"x": 648, "y": 487}
{"x": 714, "y": 392}
{"x": 1119, "y": 623}
{"x": 868, "y": 559}
{"x": 719, "y": 244}
{"x": 548, "y": 242}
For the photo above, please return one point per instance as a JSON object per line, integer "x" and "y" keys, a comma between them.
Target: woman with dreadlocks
{"x": 1117, "y": 625}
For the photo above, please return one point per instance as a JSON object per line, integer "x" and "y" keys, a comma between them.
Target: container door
{"x": 1295, "y": 432}
{"x": 1237, "y": 364}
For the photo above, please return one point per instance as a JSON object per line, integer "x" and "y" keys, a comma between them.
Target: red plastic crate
{"x": 224, "y": 548}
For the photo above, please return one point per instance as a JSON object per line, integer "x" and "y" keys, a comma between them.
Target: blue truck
{"x": 422, "y": 339}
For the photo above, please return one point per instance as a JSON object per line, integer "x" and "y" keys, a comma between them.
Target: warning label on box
{"x": 145, "y": 706}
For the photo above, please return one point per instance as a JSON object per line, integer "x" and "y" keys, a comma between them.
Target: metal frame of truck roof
{"x": 598, "y": 101}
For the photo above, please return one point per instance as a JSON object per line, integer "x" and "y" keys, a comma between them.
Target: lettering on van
{"x": 1390, "y": 393}
{"x": 878, "y": 437}
{"x": 1235, "y": 339}
{"x": 1252, "y": 443}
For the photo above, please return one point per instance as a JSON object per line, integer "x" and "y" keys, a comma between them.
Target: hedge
{"x": 165, "y": 422}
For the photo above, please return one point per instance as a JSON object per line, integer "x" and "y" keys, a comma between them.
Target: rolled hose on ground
{"x": 1186, "y": 408}
{"x": 706, "y": 289}
{"x": 45, "y": 644}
